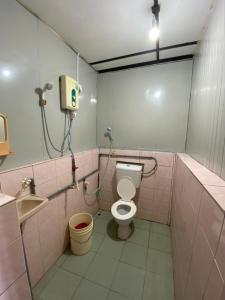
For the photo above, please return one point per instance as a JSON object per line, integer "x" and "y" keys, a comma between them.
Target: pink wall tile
{"x": 161, "y": 208}
{"x": 19, "y": 290}
{"x": 11, "y": 180}
{"x": 44, "y": 171}
{"x": 144, "y": 153}
{"x": 32, "y": 247}
{"x": 163, "y": 183}
{"x": 80, "y": 162}
{"x": 211, "y": 219}
{"x": 63, "y": 165}
{"x": 223, "y": 294}
{"x": 12, "y": 264}
{"x": 47, "y": 188}
{"x": 108, "y": 196}
{"x": 192, "y": 191}
{"x": 215, "y": 285}
{"x": 144, "y": 214}
{"x": 220, "y": 254}
{"x": 94, "y": 158}
{"x": 191, "y": 205}
{"x": 201, "y": 264}
{"x": 9, "y": 225}
{"x": 127, "y": 152}
{"x": 148, "y": 164}
{"x": 218, "y": 194}
{"x": 145, "y": 198}
{"x": 62, "y": 220}
{"x": 49, "y": 234}
{"x": 104, "y": 205}
{"x": 64, "y": 180}
{"x": 165, "y": 158}
{"x": 148, "y": 182}
{"x": 204, "y": 175}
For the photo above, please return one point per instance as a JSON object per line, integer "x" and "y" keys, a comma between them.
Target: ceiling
{"x": 104, "y": 29}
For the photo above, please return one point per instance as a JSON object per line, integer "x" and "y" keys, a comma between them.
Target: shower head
{"x": 48, "y": 86}
{"x": 41, "y": 92}
{"x": 108, "y": 134}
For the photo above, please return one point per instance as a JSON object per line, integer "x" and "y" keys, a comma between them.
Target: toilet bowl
{"x": 124, "y": 209}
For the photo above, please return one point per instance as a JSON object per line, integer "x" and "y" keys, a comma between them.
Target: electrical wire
{"x": 153, "y": 170}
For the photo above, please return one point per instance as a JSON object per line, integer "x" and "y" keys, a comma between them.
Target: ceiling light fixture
{"x": 154, "y": 31}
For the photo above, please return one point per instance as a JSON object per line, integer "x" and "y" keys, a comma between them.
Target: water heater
{"x": 70, "y": 91}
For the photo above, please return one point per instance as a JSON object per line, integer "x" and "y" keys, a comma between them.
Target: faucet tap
{"x": 28, "y": 182}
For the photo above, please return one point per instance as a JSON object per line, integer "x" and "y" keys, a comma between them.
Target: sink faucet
{"x": 25, "y": 183}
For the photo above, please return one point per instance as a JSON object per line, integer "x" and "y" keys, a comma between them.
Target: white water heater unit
{"x": 69, "y": 90}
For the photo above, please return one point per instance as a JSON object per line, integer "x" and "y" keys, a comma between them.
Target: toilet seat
{"x": 117, "y": 209}
{"x": 126, "y": 188}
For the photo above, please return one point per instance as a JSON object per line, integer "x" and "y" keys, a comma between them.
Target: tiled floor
{"x": 140, "y": 268}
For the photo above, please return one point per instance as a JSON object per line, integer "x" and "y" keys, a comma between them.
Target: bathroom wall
{"x": 46, "y": 235}
{"x": 13, "y": 275}
{"x": 153, "y": 198}
{"x": 147, "y": 108}
{"x": 206, "y": 129}
{"x": 33, "y": 54}
{"x": 198, "y": 231}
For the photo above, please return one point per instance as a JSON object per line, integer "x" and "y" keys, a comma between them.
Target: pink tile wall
{"x": 153, "y": 199}
{"x": 12, "y": 264}
{"x": 19, "y": 290}
{"x": 49, "y": 175}
{"x": 198, "y": 234}
{"x": 45, "y": 234}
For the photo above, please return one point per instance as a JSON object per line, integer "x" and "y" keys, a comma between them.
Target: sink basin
{"x": 29, "y": 205}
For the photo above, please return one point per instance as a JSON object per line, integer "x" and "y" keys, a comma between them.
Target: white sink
{"x": 29, "y": 205}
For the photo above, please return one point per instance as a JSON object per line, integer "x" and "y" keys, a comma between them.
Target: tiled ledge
{"x": 214, "y": 185}
{"x": 5, "y": 199}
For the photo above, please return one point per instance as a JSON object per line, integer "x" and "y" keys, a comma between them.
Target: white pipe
{"x": 78, "y": 56}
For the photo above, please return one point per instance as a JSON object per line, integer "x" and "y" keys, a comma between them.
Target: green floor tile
{"x": 141, "y": 224}
{"x": 140, "y": 237}
{"x": 111, "y": 248}
{"x": 104, "y": 214}
{"x": 160, "y": 242}
{"x": 129, "y": 281}
{"x": 63, "y": 257}
{"x": 89, "y": 291}
{"x": 158, "y": 287}
{"x": 160, "y": 228}
{"x": 116, "y": 296}
{"x": 159, "y": 262}
{"x": 135, "y": 255}
{"x": 100, "y": 225}
{"x": 78, "y": 264}
{"x": 97, "y": 239}
{"x": 44, "y": 281}
{"x": 61, "y": 287}
{"x": 102, "y": 270}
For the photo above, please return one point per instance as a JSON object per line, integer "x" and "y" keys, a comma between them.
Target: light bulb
{"x": 6, "y": 72}
{"x": 154, "y": 33}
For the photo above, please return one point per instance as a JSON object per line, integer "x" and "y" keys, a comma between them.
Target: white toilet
{"x": 128, "y": 179}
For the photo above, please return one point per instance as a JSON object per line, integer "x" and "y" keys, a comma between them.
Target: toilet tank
{"x": 131, "y": 170}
